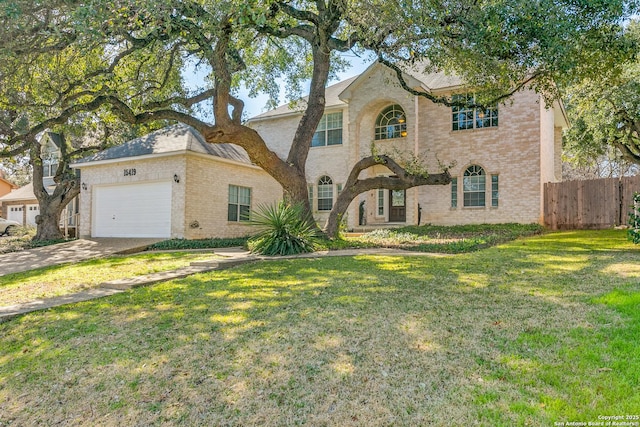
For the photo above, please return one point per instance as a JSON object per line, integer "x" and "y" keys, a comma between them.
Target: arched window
{"x": 325, "y": 194}
{"x": 474, "y": 186}
{"x": 391, "y": 123}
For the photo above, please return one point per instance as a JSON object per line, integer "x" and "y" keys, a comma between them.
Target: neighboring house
{"x": 171, "y": 184}
{"x": 6, "y": 186}
{"x": 502, "y": 156}
{"x": 21, "y": 205}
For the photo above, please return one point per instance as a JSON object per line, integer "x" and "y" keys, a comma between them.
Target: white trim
{"x": 273, "y": 116}
{"x": 160, "y": 156}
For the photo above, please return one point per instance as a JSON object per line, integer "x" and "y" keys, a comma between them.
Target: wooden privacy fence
{"x": 595, "y": 203}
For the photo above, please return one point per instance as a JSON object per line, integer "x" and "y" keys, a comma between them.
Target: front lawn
{"x": 533, "y": 332}
{"x": 47, "y": 282}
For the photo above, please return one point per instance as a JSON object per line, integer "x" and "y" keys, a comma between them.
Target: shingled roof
{"x": 21, "y": 194}
{"x": 173, "y": 139}
{"x": 428, "y": 81}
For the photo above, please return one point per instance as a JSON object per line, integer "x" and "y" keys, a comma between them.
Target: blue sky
{"x": 255, "y": 106}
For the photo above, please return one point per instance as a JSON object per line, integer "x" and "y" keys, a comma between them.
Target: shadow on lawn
{"x": 338, "y": 341}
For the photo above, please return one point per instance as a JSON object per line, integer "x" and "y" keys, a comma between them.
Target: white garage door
{"x": 134, "y": 210}
{"x": 14, "y": 213}
{"x": 32, "y": 212}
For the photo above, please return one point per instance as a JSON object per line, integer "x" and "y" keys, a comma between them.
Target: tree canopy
{"x": 605, "y": 112}
{"x": 65, "y": 60}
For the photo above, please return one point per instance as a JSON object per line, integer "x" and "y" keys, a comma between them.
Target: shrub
{"x": 185, "y": 244}
{"x": 634, "y": 220}
{"x": 285, "y": 230}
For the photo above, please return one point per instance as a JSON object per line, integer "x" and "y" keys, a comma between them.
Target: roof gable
{"x": 338, "y": 94}
{"x": 332, "y": 100}
{"x": 173, "y": 139}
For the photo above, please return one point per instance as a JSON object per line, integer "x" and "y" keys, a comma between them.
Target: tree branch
{"x": 446, "y": 100}
{"x": 301, "y": 15}
{"x": 401, "y": 181}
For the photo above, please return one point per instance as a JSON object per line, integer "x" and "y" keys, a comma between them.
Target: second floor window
{"x": 391, "y": 123}
{"x": 329, "y": 130}
{"x": 465, "y": 117}
{"x": 49, "y": 168}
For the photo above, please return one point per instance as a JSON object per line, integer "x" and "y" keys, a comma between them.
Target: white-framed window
{"x": 239, "y": 203}
{"x": 325, "y": 193}
{"x": 454, "y": 192}
{"x": 49, "y": 168}
{"x": 391, "y": 123}
{"x": 329, "y": 130}
{"x": 474, "y": 186}
{"x": 381, "y": 193}
{"x": 494, "y": 191}
{"x": 465, "y": 117}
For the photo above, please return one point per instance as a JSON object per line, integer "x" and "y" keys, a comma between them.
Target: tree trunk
{"x": 52, "y": 205}
{"x": 48, "y": 222}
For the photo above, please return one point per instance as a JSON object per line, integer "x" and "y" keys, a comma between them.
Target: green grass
{"x": 532, "y": 332}
{"x": 64, "y": 279}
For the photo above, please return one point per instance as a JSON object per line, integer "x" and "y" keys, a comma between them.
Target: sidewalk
{"x": 231, "y": 258}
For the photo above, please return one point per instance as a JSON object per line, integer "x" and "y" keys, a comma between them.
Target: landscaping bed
{"x": 425, "y": 238}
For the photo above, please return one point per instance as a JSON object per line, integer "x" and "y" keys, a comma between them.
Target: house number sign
{"x": 130, "y": 172}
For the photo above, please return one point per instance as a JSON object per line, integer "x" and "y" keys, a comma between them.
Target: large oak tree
{"x": 605, "y": 112}
{"x": 132, "y": 54}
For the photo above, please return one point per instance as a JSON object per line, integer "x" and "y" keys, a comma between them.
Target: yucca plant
{"x": 284, "y": 230}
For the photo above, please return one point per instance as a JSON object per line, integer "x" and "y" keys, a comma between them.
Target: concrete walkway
{"x": 74, "y": 251}
{"x": 230, "y": 258}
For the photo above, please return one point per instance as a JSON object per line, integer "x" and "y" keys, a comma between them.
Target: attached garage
{"x": 132, "y": 210}
{"x": 169, "y": 184}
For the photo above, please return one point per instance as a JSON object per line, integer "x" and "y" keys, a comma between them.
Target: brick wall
{"x": 207, "y": 196}
{"x": 523, "y": 151}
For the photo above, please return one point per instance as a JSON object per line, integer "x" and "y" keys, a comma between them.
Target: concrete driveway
{"x": 74, "y": 251}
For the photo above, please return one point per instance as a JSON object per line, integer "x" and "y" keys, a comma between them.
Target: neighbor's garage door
{"x": 14, "y": 213}
{"x": 32, "y": 212}
{"x": 133, "y": 210}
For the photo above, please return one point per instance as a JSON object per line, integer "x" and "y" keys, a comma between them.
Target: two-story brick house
{"x": 502, "y": 156}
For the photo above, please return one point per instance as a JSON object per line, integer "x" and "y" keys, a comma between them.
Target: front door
{"x": 398, "y": 208}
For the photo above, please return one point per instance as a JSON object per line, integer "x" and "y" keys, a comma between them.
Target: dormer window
{"x": 391, "y": 123}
